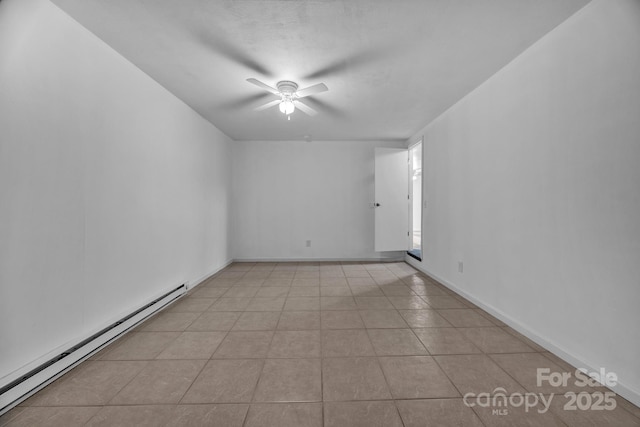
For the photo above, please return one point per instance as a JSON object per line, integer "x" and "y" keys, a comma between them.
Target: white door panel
{"x": 392, "y": 206}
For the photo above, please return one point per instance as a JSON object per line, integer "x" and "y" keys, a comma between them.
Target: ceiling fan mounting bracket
{"x": 287, "y": 87}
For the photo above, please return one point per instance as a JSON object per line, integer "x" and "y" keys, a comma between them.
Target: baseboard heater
{"x": 37, "y": 378}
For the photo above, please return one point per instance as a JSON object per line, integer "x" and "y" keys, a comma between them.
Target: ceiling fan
{"x": 289, "y": 96}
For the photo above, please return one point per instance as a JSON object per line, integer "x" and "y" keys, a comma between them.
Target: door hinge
{"x": 407, "y": 233}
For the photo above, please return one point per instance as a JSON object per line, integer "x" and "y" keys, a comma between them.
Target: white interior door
{"x": 392, "y": 205}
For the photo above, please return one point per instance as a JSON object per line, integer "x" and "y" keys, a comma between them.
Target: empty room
{"x": 319, "y": 213}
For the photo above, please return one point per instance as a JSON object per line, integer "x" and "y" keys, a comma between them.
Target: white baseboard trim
{"x": 621, "y": 389}
{"x": 390, "y": 259}
{"x": 80, "y": 352}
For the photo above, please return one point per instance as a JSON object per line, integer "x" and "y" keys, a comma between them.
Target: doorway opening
{"x": 415, "y": 201}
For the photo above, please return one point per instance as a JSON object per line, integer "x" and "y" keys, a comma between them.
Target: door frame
{"x": 411, "y": 201}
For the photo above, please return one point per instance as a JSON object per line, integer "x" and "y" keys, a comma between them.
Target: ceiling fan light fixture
{"x": 287, "y": 107}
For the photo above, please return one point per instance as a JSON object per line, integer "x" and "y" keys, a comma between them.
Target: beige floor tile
{"x": 443, "y": 301}
{"x": 254, "y": 281}
{"x": 244, "y": 344}
{"x": 346, "y": 343}
{"x": 362, "y": 280}
{"x": 143, "y": 416}
{"x": 353, "y": 379}
{"x": 225, "y": 381}
{"x": 92, "y": 383}
{"x": 299, "y": 320}
{"x": 415, "y": 377}
{"x": 415, "y": 279}
{"x": 273, "y": 292}
{"x": 590, "y": 417}
{"x": 464, "y": 317}
{"x": 409, "y": 303}
{"x": 277, "y": 282}
{"x": 390, "y": 280}
{"x": 257, "y": 321}
{"x": 295, "y": 344}
{"x": 11, "y": 415}
{"x": 426, "y": 289}
{"x": 305, "y": 291}
{"x": 302, "y": 303}
{"x": 333, "y": 281}
{"x": 357, "y": 274}
{"x": 205, "y": 293}
{"x": 266, "y": 304}
{"x": 348, "y": 319}
{"x": 424, "y": 319}
{"x": 272, "y": 344}
{"x": 361, "y": 414}
{"x": 168, "y": 322}
{"x": 290, "y": 380}
{"x": 305, "y": 283}
{"x": 378, "y": 319}
{"x": 524, "y": 339}
{"x": 437, "y": 413}
{"x": 285, "y": 415}
{"x": 160, "y": 382}
{"x": 307, "y": 275}
{"x": 509, "y": 415}
{"x": 446, "y": 341}
{"x": 193, "y": 303}
{"x": 623, "y": 403}
{"x": 230, "y": 274}
{"x": 477, "y": 373}
{"x": 397, "y": 290}
{"x": 337, "y": 303}
{"x": 214, "y": 321}
{"x": 241, "y": 292}
{"x": 193, "y": 345}
{"x": 280, "y": 275}
{"x": 373, "y": 303}
{"x": 395, "y": 342}
{"x": 139, "y": 346}
{"x": 219, "y": 282}
{"x": 493, "y": 319}
{"x": 52, "y": 416}
{"x": 524, "y": 367}
{"x": 366, "y": 291}
{"x": 495, "y": 340}
{"x": 230, "y": 304}
{"x": 223, "y": 415}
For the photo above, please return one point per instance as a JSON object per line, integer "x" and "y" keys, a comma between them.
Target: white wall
{"x": 288, "y": 192}
{"x": 533, "y": 180}
{"x": 112, "y": 191}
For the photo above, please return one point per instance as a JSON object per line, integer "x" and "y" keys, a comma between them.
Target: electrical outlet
{"x": 308, "y": 243}
{"x": 460, "y": 266}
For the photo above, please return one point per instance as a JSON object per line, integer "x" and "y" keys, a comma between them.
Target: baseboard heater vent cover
{"x": 37, "y": 378}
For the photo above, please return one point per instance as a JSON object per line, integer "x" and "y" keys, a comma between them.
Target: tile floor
{"x": 324, "y": 344}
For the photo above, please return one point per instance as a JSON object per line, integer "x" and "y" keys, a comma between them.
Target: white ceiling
{"x": 391, "y": 66}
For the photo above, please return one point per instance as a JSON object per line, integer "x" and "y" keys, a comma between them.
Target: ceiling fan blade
{"x": 305, "y": 108}
{"x": 320, "y": 87}
{"x": 268, "y": 105}
{"x": 264, "y": 86}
